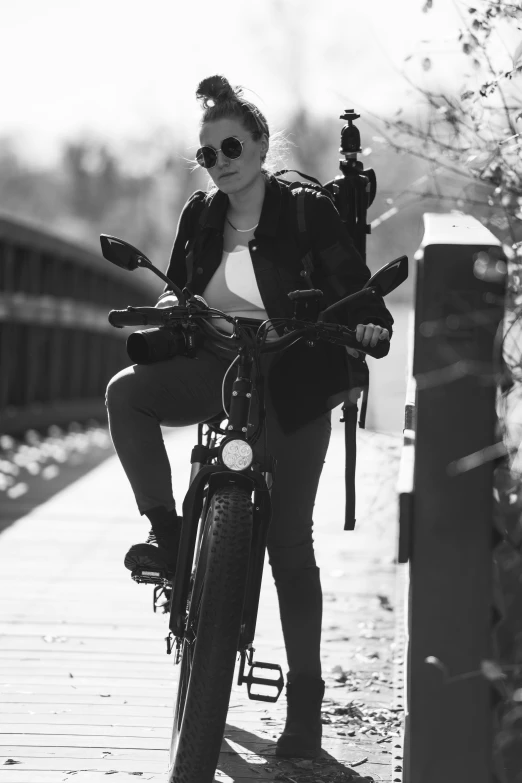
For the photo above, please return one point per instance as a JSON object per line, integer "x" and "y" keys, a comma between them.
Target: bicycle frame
{"x": 206, "y": 478}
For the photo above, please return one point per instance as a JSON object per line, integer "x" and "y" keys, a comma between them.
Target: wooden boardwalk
{"x": 86, "y": 687}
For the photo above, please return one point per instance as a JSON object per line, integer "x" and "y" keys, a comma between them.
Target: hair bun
{"x": 216, "y": 89}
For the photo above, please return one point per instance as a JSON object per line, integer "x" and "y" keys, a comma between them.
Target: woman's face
{"x": 232, "y": 176}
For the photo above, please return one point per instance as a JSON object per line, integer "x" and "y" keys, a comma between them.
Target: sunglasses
{"x": 230, "y": 147}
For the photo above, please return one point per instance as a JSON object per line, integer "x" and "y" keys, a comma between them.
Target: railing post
{"x": 58, "y": 350}
{"x": 458, "y": 309}
{"x": 7, "y": 335}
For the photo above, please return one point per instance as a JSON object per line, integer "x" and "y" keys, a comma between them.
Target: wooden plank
{"x": 108, "y": 630}
{"x": 125, "y": 627}
{"x": 88, "y": 765}
{"x": 59, "y": 611}
{"x": 80, "y": 740}
{"x": 86, "y": 663}
{"x": 14, "y": 775}
{"x": 112, "y": 712}
{"x": 137, "y": 756}
{"x": 60, "y": 642}
{"x": 102, "y": 687}
{"x": 78, "y": 725}
{"x": 81, "y": 698}
{"x": 84, "y": 671}
{"x": 78, "y": 681}
{"x": 81, "y": 657}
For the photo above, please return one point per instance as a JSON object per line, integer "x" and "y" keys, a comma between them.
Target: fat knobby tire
{"x": 199, "y": 722}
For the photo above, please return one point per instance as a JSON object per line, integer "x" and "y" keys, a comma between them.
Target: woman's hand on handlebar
{"x": 370, "y": 334}
{"x": 169, "y": 299}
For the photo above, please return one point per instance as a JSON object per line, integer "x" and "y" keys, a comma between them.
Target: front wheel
{"x": 211, "y": 638}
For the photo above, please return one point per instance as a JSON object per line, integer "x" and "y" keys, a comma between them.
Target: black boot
{"x": 160, "y": 551}
{"x": 302, "y": 735}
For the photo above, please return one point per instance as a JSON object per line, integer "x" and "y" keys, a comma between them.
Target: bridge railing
{"x": 57, "y": 349}
{"x": 446, "y": 502}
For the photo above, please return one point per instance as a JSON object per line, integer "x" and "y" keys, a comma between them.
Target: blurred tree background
{"x": 470, "y": 134}
{"x": 443, "y": 149}
{"x": 138, "y": 192}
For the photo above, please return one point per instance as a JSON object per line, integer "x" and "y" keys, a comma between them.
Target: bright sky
{"x": 120, "y": 68}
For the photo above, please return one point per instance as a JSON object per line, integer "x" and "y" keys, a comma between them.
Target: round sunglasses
{"x": 230, "y": 147}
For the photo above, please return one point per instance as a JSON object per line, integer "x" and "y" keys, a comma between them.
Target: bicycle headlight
{"x": 237, "y": 455}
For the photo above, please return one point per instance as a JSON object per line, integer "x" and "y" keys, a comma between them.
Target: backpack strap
{"x": 349, "y": 418}
{"x": 305, "y": 244}
{"x": 295, "y": 171}
{"x": 350, "y": 409}
{"x": 317, "y": 184}
{"x": 302, "y": 193}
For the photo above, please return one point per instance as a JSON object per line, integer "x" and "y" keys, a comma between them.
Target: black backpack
{"x": 302, "y": 192}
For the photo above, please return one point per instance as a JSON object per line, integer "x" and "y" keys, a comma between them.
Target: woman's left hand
{"x": 370, "y": 334}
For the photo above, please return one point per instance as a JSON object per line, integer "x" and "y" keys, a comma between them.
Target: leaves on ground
{"x": 357, "y": 681}
{"x": 385, "y": 603}
{"x": 358, "y": 718}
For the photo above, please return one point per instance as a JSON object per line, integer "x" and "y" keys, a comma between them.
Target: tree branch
{"x": 490, "y": 66}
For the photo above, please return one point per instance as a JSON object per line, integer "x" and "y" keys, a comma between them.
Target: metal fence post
{"x": 458, "y": 309}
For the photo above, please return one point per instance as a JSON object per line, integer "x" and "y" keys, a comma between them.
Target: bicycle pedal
{"x": 150, "y": 576}
{"x": 269, "y": 682}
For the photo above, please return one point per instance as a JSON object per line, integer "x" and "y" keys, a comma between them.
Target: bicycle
{"x": 213, "y": 597}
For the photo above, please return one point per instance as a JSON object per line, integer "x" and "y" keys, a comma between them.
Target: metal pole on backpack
{"x": 353, "y": 191}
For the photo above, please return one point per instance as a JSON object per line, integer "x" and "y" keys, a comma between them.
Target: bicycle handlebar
{"x": 333, "y": 333}
{"x": 133, "y": 316}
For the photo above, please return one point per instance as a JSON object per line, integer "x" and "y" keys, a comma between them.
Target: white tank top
{"x": 233, "y": 288}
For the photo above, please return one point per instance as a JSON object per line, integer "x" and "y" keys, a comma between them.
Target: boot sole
{"x": 146, "y": 556}
{"x": 294, "y": 753}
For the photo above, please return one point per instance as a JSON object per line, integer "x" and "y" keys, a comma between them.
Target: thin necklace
{"x": 242, "y": 230}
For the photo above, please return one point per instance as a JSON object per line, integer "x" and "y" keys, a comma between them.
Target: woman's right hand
{"x": 167, "y": 299}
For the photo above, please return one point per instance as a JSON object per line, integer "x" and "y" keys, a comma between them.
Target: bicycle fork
{"x": 261, "y": 519}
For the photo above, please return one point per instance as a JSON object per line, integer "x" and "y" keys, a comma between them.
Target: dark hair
{"x": 219, "y": 100}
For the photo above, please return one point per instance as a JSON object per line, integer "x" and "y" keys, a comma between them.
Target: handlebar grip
{"x": 120, "y": 318}
{"x": 379, "y": 351}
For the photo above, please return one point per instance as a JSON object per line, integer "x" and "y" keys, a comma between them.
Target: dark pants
{"x": 181, "y": 392}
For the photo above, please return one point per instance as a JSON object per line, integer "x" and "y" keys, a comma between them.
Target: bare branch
{"x": 417, "y": 154}
{"x": 490, "y": 66}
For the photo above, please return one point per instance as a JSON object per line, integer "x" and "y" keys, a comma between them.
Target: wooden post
{"x": 458, "y": 309}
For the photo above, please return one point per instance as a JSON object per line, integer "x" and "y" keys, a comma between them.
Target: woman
{"x": 237, "y": 247}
